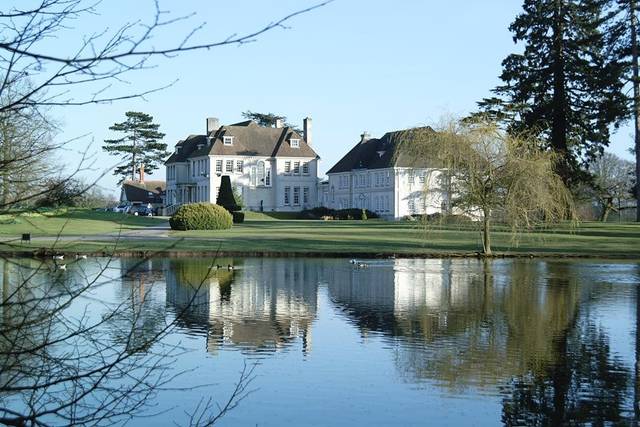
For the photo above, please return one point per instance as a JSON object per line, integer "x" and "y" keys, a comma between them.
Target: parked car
{"x": 141, "y": 210}
{"x": 120, "y": 208}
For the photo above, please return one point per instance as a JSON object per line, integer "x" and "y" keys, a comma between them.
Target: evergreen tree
{"x": 624, "y": 40}
{"x": 140, "y": 145}
{"x": 268, "y": 119}
{"x": 225, "y": 195}
{"x": 566, "y": 87}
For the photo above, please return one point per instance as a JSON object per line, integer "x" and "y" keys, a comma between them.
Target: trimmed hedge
{"x": 322, "y": 212}
{"x": 238, "y": 217}
{"x": 201, "y": 216}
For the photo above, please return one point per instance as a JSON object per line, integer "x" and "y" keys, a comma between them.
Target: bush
{"x": 225, "y": 195}
{"x": 355, "y": 214}
{"x": 201, "y": 216}
{"x": 322, "y": 212}
{"x": 238, "y": 217}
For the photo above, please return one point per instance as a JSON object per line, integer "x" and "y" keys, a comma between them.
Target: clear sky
{"x": 352, "y": 65}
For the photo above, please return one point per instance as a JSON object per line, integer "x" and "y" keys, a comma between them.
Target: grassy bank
{"x": 71, "y": 222}
{"x": 266, "y": 234}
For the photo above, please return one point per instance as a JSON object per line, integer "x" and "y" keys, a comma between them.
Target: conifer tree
{"x": 140, "y": 145}
{"x": 623, "y": 32}
{"x": 566, "y": 87}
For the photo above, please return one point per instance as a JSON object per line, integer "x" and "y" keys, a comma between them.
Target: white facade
{"x": 266, "y": 183}
{"x": 390, "y": 192}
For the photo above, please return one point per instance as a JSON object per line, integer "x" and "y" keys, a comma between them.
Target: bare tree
{"x": 612, "y": 182}
{"x": 99, "y": 60}
{"x": 493, "y": 176}
{"x": 56, "y": 367}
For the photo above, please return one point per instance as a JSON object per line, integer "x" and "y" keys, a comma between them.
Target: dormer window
{"x": 295, "y": 143}
{"x": 227, "y": 140}
{"x": 177, "y": 148}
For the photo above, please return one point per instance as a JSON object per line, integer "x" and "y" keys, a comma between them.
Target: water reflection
{"x": 261, "y": 305}
{"x": 548, "y": 342}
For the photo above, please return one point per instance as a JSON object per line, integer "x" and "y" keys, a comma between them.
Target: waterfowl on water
{"x": 229, "y": 267}
{"x": 78, "y": 256}
{"x": 62, "y": 267}
{"x": 58, "y": 257}
{"x": 362, "y": 265}
{"x": 353, "y": 261}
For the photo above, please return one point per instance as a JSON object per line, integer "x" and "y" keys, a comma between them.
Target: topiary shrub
{"x": 201, "y": 216}
{"x": 238, "y": 217}
{"x": 225, "y": 195}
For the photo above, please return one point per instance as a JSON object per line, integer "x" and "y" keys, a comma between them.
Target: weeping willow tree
{"x": 492, "y": 176}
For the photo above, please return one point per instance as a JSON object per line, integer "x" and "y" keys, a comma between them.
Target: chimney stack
{"x": 279, "y": 123}
{"x": 365, "y": 136}
{"x": 141, "y": 173}
{"x": 306, "y": 129}
{"x": 212, "y": 124}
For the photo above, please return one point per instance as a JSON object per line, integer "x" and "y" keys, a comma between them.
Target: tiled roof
{"x": 249, "y": 139}
{"x": 379, "y": 153}
{"x": 145, "y": 192}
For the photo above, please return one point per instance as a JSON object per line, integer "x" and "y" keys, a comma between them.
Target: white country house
{"x": 377, "y": 175}
{"x": 273, "y": 168}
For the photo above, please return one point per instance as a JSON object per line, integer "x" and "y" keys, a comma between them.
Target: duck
{"x": 78, "y": 256}
{"x": 58, "y": 257}
{"x": 353, "y": 261}
{"x": 230, "y": 267}
{"x": 362, "y": 265}
{"x": 62, "y": 267}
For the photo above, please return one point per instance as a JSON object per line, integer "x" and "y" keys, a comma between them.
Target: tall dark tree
{"x": 268, "y": 119}
{"x": 624, "y": 37}
{"x": 566, "y": 87}
{"x": 140, "y": 145}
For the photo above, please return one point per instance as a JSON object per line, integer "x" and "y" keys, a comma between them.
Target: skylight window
{"x": 295, "y": 143}
{"x": 227, "y": 140}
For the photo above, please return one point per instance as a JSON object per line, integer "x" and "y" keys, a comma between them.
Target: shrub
{"x": 364, "y": 214}
{"x": 201, "y": 216}
{"x": 225, "y": 195}
{"x": 355, "y": 214}
{"x": 238, "y": 217}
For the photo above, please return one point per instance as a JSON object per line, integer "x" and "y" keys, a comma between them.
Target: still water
{"x": 400, "y": 342}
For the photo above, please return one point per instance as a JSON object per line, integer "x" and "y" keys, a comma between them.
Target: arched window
{"x": 261, "y": 173}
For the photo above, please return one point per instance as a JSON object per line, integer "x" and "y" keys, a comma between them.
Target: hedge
{"x": 323, "y": 212}
{"x": 201, "y": 216}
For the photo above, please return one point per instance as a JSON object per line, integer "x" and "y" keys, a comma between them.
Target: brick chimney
{"x": 213, "y": 123}
{"x": 141, "y": 173}
{"x": 306, "y": 129}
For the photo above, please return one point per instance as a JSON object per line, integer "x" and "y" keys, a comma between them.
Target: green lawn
{"x": 377, "y": 236}
{"x": 264, "y": 233}
{"x": 71, "y": 222}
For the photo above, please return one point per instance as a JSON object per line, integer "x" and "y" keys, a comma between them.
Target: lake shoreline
{"x": 48, "y": 252}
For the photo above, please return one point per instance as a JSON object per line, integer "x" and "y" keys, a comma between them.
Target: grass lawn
{"x": 267, "y": 233}
{"x": 72, "y": 222}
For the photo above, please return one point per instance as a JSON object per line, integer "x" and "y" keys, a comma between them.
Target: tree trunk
{"x": 636, "y": 98}
{"x": 486, "y": 232}
{"x": 559, "y": 124}
{"x": 607, "y": 206}
{"x": 133, "y": 157}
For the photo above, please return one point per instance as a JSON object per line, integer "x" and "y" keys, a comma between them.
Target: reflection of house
{"x": 274, "y": 169}
{"x": 377, "y": 175}
{"x": 269, "y": 303}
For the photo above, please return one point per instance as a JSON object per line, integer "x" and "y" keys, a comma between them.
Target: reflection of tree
{"x": 141, "y": 315}
{"x": 584, "y": 385}
{"x": 261, "y": 305}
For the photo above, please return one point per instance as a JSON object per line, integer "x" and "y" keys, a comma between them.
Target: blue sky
{"x": 352, "y": 65}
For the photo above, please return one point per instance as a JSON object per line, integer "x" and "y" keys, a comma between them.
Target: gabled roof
{"x": 145, "y": 192}
{"x": 249, "y": 139}
{"x": 379, "y": 153}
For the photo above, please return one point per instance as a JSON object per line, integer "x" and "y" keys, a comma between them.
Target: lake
{"x": 396, "y": 342}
